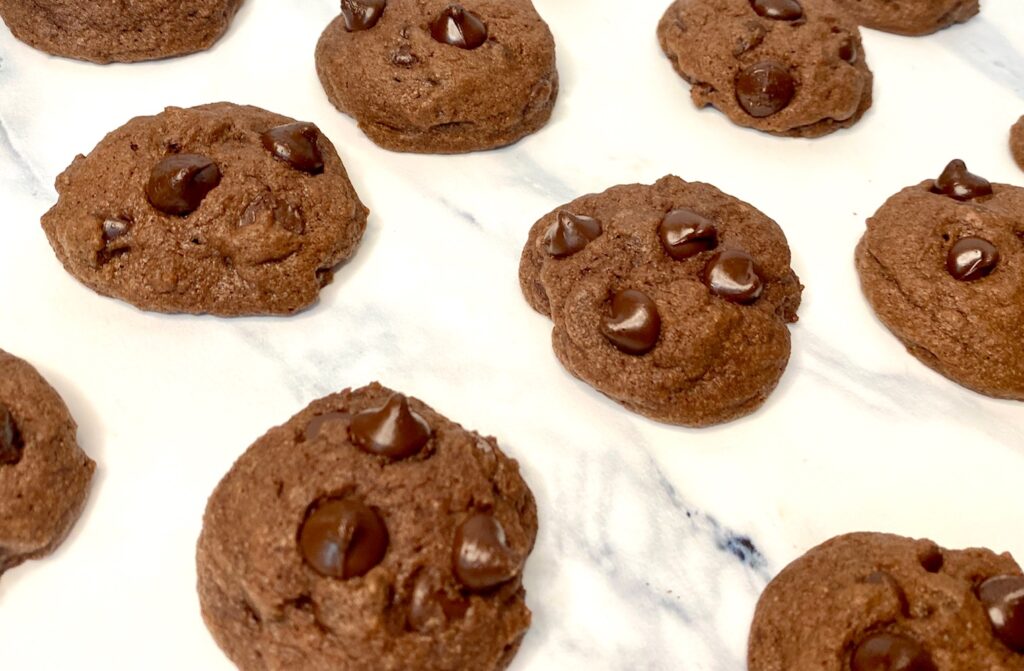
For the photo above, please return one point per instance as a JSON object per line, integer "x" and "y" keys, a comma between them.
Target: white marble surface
{"x": 640, "y": 562}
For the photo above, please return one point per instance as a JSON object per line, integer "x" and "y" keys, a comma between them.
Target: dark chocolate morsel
{"x": 316, "y": 425}
{"x": 780, "y": 10}
{"x": 296, "y": 144}
{"x": 114, "y": 228}
{"x": 11, "y": 444}
{"x": 765, "y": 88}
{"x": 1003, "y": 599}
{"x": 179, "y": 183}
{"x": 343, "y": 538}
{"x": 890, "y": 652}
{"x": 732, "y": 275}
{"x": 684, "y": 234}
{"x": 570, "y": 233}
{"x": 971, "y": 259}
{"x": 432, "y": 606}
{"x": 957, "y": 182}
{"x": 361, "y": 14}
{"x": 633, "y": 324}
{"x": 393, "y": 430}
{"x": 459, "y": 27}
{"x": 481, "y": 557}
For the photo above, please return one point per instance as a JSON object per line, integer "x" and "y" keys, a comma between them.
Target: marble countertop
{"x": 655, "y": 541}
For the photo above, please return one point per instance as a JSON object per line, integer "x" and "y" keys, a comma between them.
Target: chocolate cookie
{"x": 125, "y": 32}
{"x": 436, "y": 77}
{"x": 786, "y": 67}
{"x": 44, "y": 475}
{"x": 368, "y": 532}
{"x": 942, "y": 264}
{"x": 1017, "y": 142}
{"x": 910, "y": 17}
{"x": 672, "y": 298}
{"x": 223, "y": 209}
{"x": 878, "y": 602}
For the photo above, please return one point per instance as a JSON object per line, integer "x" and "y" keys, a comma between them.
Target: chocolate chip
{"x": 780, "y": 10}
{"x": 267, "y": 211}
{"x": 361, "y": 14}
{"x": 633, "y": 324}
{"x": 114, "y": 232}
{"x": 114, "y": 228}
{"x": 459, "y": 27}
{"x": 570, "y": 233}
{"x": 404, "y": 57}
{"x": 765, "y": 88}
{"x": 393, "y": 430}
{"x": 956, "y": 182}
{"x": 684, "y": 234}
{"x": 971, "y": 259}
{"x": 481, "y": 556}
{"x": 432, "y": 606}
{"x": 732, "y": 275}
{"x": 1003, "y": 598}
{"x": 343, "y": 538}
{"x": 11, "y": 444}
{"x": 316, "y": 425}
{"x": 179, "y": 183}
{"x": 296, "y": 144}
{"x": 890, "y": 652}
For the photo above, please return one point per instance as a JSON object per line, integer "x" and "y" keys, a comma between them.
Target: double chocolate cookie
{"x": 1017, "y": 142}
{"x": 909, "y": 17}
{"x": 786, "y": 67}
{"x": 671, "y": 298}
{"x": 942, "y": 264}
{"x": 223, "y": 209}
{"x": 877, "y": 602}
{"x": 368, "y": 532}
{"x": 437, "y": 77}
{"x": 125, "y": 32}
{"x": 44, "y": 475}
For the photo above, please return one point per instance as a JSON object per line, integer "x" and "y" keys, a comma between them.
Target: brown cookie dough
{"x": 368, "y": 532}
{"x": 787, "y": 67}
{"x": 435, "y": 77}
{"x": 1017, "y": 142}
{"x": 670, "y": 298}
{"x": 44, "y": 475}
{"x": 125, "y": 32}
{"x": 942, "y": 264}
{"x": 219, "y": 209}
{"x": 878, "y": 602}
{"x": 910, "y": 17}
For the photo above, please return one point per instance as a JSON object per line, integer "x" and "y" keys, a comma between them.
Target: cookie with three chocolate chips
{"x": 672, "y": 298}
{"x": 942, "y": 264}
{"x": 220, "y": 209}
{"x": 368, "y": 532}
{"x": 879, "y": 602}
{"x": 1017, "y": 142}
{"x": 787, "y": 67}
{"x": 44, "y": 475}
{"x": 439, "y": 77}
{"x": 910, "y": 17}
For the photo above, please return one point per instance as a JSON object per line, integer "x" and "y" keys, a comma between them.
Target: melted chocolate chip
{"x": 114, "y": 232}
{"x": 570, "y": 233}
{"x": 684, "y": 234}
{"x": 11, "y": 444}
{"x": 481, "y": 556}
{"x": 634, "y": 324}
{"x": 432, "y": 606}
{"x": 361, "y": 14}
{"x": 1003, "y": 598}
{"x": 179, "y": 183}
{"x": 296, "y": 144}
{"x": 956, "y": 182}
{"x": 780, "y": 10}
{"x": 316, "y": 425}
{"x": 393, "y": 430}
{"x": 732, "y": 275}
{"x": 343, "y": 538}
{"x": 890, "y": 652}
{"x": 765, "y": 88}
{"x": 971, "y": 259}
{"x": 459, "y": 27}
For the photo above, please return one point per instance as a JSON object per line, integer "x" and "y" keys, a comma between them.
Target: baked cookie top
{"x": 220, "y": 209}
{"x": 911, "y": 17}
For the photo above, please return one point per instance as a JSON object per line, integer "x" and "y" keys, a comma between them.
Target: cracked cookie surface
{"x": 910, "y": 17}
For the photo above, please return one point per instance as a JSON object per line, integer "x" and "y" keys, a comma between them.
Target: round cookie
{"x": 671, "y": 298}
{"x": 219, "y": 209}
{"x": 125, "y": 32}
{"x": 44, "y": 475}
{"x": 878, "y": 602}
{"x": 435, "y": 77}
{"x": 1017, "y": 142}
{"x": 910, "y": 17}
{"x": 942, "y": 264}
{"x": 787, "y": 67}
{"x": 368, "y": 532}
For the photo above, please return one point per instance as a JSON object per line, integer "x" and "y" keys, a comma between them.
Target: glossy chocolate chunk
{"x": 481, "y": 556}
{"x": 179, "y": 183}
{"x": 432, "y": 606}
{"x": 956, "y": 182}
{"x": 684, "y": 234}
{"x": 361, "y": 14}
{"x": 1003, "y": 598}
{"x": 459, "y": 27}
{"x": 732, "y": 275}
{"x": 780, "y": 10}
{"x": 343, "y": 538}
{"x": 971, "y": 259}
{"x": 634, "y": 324}
{"x": 765, "y": 88}
{"x": 890, "y": 652}
{"x": 393, "y": 430}
{"x": 316, "y": 425}
{"x": 115, "y": 228}
{"x": 11, "y": 444}
{"x": 570, "y": 233}
{"x": 296, "y": 144}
